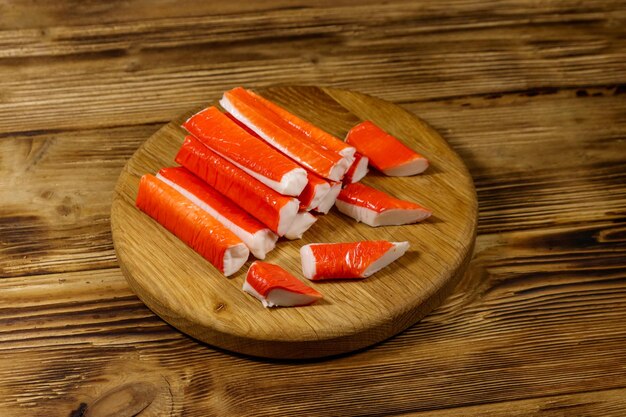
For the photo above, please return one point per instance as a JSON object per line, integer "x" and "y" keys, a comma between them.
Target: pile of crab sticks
{"x": 257, "y": 173}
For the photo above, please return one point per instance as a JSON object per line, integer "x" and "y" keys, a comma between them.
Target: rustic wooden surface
{"x": 531, "y": 94}
{"x": 182, "y": 288}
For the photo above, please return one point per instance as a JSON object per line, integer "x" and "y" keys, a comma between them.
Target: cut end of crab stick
{"x": 385, "y": 152}
{"x": 340, "y": 168}
{"x": 257, "y": 237}
{"x": 293, "y": 182}
{"x": 358, "y": 170}
{"x": 229, "y": 140}
{"x": 274, "y": 210}
{"x": 349, "y": 260}
{"x": 287, "y": 216}
{"x": 315, "y": 190}
{"x": 329, "y": 199}
{"x": 234, "y": 258}
{"x": 275, "y": 287}
{"x": 198, "y": 229}
{"x": 303, "y": 222}
{"x": 375, "y": 208}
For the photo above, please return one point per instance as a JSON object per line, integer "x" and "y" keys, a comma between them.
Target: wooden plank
{"x": 536, "y": 316}
{"x": 76, "y": 308}
{"x": 529, "y": 94}
{"x": 56, "y": 190}
{"x": 519, "y": 181}
{"x": 597, "y": 403}
{"x": 157, "y": 69}
{"x": 34, "y": 14}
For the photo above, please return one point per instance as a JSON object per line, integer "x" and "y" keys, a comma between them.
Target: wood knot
{"x": 124, "y": 401}
{"x": 80, "y": 411}
{"x": 220, "y": 307}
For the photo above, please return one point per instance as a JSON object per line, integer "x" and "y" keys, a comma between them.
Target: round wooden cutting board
{"x": 189, "y": 293}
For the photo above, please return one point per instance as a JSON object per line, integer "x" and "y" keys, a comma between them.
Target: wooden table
{"x": 531, "y": 94}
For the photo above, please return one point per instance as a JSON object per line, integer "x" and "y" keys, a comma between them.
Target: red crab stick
{"x": 386, "y": 153}
{"x": 202, "y": 232}
{"x": 375, "y": 208}
{"x": 298, "y": 127}
{"x": 257, "y": 237}
{"x": 275, "y": 287}
{"x": 319, "y": 194}
{"x": 327, "y": 164}
{"x": 349, "y": 260}
{"x": 357, "y": 170}
{"x": 257, "y": 158}
{"x": 274, "y": 210}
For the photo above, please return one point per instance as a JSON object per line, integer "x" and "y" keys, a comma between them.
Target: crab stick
{"x": 358, "y": 169}
{"x": 296, "y": 126}
{"x": 315, "y": 194}
{"x": 274, "y": 210}
{"x": 386, "y": 153}
{"x": 328, "y": 201}
{"x": 226, "y": 138}
{"x": 375, "y": 208}
{"x": 348, "y": 260}
{"x": 275, "y": 287}
{"x": 266, "y": 124}
{"x": 303, "y": 222}
{"x": 257, "y": 237}
{"x": 198, "y": 229}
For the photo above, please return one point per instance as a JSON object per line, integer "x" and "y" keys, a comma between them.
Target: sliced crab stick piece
{"x": 194, "y": 226}
{"x": 275, "y": 287}
{"x": 349, "y": 260}
{"x": 257, "y": 237}
{"x": 274, "y": 210}
{"x": 315, "y": 190}
{"x": 327, "y": 164}
{"x": 329, "y": 199}
{"x": 226, "y": 138}
{"x": 386, "y": 153}
{"x": 298, "y": 127}
{"x": 375, "y": 208}
{"x": 303, "y": 222}
{"x": 357, "y": 170}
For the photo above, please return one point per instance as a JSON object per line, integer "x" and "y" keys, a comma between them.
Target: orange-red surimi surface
{"x": 215, "y": 199}
{"x": 228, "y": 139}
{"x": 363, "y": 196}
{"x": 384, "y": 151}
{"x": 188, "y": 222}
{"x": 267, "y": 125}
{"x": 316, "y": 187}
{"x": 357, "y": 170}
{"x": 346, "y": 260}
{"x": 296, "y": 126}
{"x": 264, "y": 277}
{"x": 250, "y": 194}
